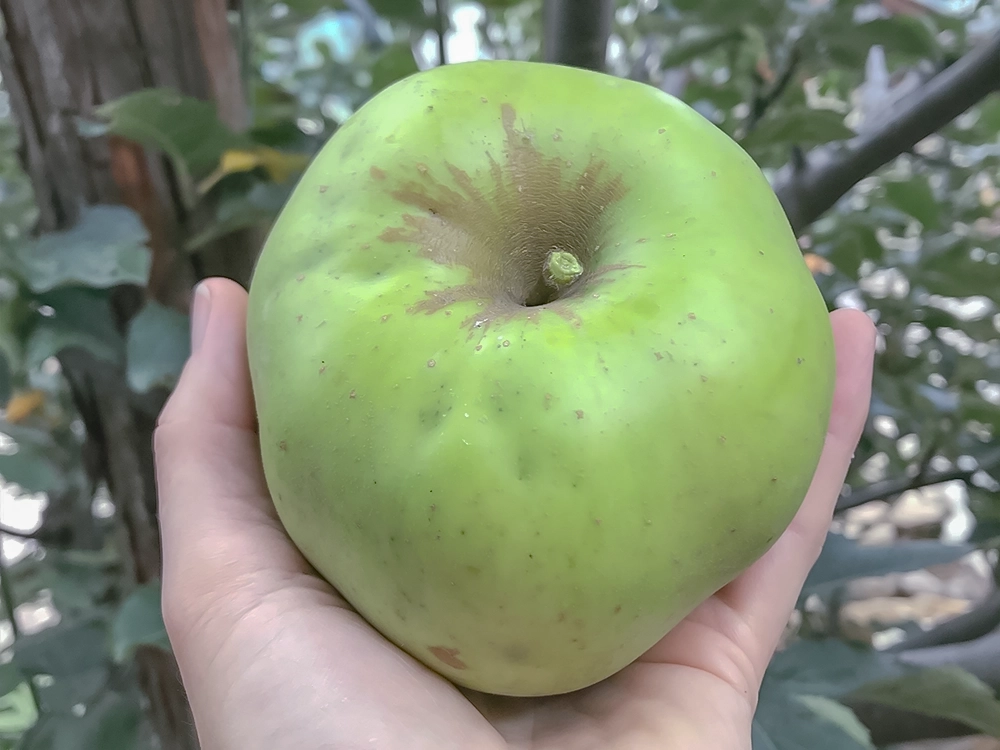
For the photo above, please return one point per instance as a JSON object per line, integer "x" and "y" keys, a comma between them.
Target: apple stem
{"x": 563, "y": 268}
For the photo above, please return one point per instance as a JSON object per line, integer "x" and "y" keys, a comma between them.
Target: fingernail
{"x": 199, "y": 314}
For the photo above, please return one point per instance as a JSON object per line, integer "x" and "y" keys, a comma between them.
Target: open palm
{"x": 272, "y": 657}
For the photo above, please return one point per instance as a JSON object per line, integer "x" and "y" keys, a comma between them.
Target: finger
{"x": 764, "y": 595}
{"x": 214, "y": 386}
{"x": 207, "y": 457}
{"x": 220, "y": 534}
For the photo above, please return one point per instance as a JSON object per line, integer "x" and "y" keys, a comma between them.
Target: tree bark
{"x": 61, "y": 60}
{"x": 576, "y": 32}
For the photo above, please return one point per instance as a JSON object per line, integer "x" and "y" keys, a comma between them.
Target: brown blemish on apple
{"x": 282, "y": 446}
{"x": 504, "y": 234}
{"x": 352, "y": 394}
{"x": 376, "y": 173}
{"x": 448, "y": 655}
{"x": 324, "y": 188}
{"x": 658, "y": 356}
{"x": 579, "y": 413}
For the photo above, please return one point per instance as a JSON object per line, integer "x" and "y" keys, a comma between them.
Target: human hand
{"x": 272, "y": 657}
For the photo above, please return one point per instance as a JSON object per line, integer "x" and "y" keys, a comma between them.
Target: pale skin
{"x": 272, "y": 657}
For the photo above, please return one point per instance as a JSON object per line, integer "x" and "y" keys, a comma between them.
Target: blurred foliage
{"x": 917, "y": 245}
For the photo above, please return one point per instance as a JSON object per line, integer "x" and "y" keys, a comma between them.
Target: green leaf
{"x": 34, "y": 465}
{"x": 831, "y": 667}
{"x": 241, "y": 208}
{"x": 832, "y": 712}
{"x": 188, "y": 130}
{"x": 139, "y": 622}
{"x": 60, "y": 695}
{"x": 65, "y": 649}
{"x": 902, "y": 34}
{"x": 915, "y": 197}
{"x": 849, "y": 246}
{"x": 6, "y": 378}
{"x": 843, "y": 559}
{"x": 43, "y": 734}
{"x": 395, "y": 63}
{"x": 787, "y": 720}
{"x": 801, "y": 126}
{"x": 947, "y": 692}
{"x": 408, "y": 11}
{"x": 13, "y": 311}
{"x": 18, "y": 211}
{"x": 80, "y": 317}
{"x": 847, "y": 43}
{"x": 107, "y": 247}
{"x": 10, "y": 677}
{"x": 694, "y": 41}
{"x": 18, "y": 712}
{"x": 157, "y": 347}
{"x": 113, "y": 724}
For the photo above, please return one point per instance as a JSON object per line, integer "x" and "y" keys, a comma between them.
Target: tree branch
{"x": 576, "y": 32}
{"x": 765, "y": 98}
{"x": 442, "y": 22}
{"x": 978, "y": 656}
{"x": 808, "y": 190}
{"x": 892, "y": 487}
{"x": 966, "y": 627}
{"x": 4, "y": 529}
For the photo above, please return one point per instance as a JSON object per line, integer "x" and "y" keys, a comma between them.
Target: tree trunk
{"x": 63, "y": 58}
{"x": 576, "y": 32}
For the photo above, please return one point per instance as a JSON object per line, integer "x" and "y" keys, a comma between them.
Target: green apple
{"x": 538, "y": 367}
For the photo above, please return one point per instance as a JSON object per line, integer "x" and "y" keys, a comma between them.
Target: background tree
{"x": 150, "y": 144}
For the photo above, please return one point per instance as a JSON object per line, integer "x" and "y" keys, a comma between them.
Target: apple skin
{"x": 525, "y": 492}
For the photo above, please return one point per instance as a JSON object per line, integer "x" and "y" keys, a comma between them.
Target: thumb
{"x": 217, "y": 521}
{"x": 214, "y": 387}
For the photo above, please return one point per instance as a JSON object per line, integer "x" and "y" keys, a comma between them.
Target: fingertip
{"x": 854, "y": 339}
{"x": 854, "y": 329}
{"x": 214, "y": 386}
